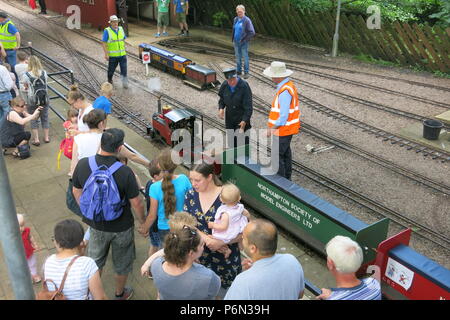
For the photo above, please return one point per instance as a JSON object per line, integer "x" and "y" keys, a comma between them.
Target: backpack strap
{"x": 93, "y": 164}
{"x": 116, "y": 166}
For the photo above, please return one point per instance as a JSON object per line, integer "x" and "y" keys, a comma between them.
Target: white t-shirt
{"x": 88, "y": 144}
{"x": 77, "y": 281}
{"x": 81, "y": 125}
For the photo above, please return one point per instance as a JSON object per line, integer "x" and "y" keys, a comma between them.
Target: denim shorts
{"x": 123, "y": 249}
{"x": 155, "y": 241}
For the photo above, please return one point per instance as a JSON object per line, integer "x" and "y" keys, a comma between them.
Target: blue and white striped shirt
{"x": 368, "y": 289}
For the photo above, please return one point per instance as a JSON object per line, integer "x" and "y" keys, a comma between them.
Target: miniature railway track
{"x": 263, "y": 107}
{"x": 436, "y": 154}
{"x": 362, "y": 200}
{"x": 227, "y": 53}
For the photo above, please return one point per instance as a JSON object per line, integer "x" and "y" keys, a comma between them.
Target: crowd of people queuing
{"x": 197, "y": 226}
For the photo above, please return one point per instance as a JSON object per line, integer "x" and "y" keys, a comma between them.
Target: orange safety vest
{"x": 292, "y": 125}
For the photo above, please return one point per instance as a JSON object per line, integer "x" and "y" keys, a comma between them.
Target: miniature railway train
{"x": 195, "y": 75}
{"x": 403, "y": 273}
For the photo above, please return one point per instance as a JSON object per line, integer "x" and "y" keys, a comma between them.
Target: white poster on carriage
{"x": 399, "y": 274}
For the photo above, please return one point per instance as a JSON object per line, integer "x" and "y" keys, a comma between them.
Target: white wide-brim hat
{"x": 277, "y": 69}
{"x": 113, "y": 18}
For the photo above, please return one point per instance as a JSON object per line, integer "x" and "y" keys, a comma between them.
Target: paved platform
{"x": 415, "y": 132}
{"x": 444, "y": 117}
{"x": 39, "y": 191}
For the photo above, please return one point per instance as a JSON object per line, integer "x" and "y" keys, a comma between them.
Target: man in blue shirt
{"x": 243, "y": 31}
{"x": 344, "y": 258}
{"x": 270, "y": 276}
{"x": 114, "y": 49}
{"x": 182, "y": 9}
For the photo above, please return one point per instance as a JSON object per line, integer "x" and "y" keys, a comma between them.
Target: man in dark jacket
{"x": 235, "y": 105}
{"x": 243, "y": 31}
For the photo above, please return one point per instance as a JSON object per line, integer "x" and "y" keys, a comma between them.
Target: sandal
{"x": 36, "y": 143}
{"x": 47, "y": 141}
{"x": 15, "y": 154}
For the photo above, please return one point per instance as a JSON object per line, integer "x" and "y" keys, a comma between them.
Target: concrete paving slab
{"x": 444, "y": 117}
{"x": 415, "y": 133}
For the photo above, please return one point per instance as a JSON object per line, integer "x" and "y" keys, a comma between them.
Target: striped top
{"x": 77, "y": 282}
{"x": 368, "y": 289}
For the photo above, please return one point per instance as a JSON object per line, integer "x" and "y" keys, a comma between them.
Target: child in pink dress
{"x": 231, "y": 217}
{"x": 30, "y": 246}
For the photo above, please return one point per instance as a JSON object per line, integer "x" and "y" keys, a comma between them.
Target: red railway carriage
{"x": 200, "y": 76}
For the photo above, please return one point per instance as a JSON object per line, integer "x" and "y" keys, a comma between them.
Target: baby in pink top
{"x": 231, "y": 217}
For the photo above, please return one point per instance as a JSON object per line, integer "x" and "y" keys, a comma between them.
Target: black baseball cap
{"x": 230, "y": 73}
{"x": 3, "y": 15}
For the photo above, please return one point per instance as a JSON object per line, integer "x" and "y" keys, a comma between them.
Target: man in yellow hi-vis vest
{"x": 10, "y": 40}
{"x": 284, "y": 116}
{"x": 114, "y": 48}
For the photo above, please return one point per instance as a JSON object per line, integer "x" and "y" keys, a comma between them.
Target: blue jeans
{"x": 4, "y": 104}
{"x": 11, "y": 59}
{"x": 112, "y": 65}
{"x": 241, "y": 51}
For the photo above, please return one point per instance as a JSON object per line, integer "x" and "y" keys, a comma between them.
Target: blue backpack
{"x": 100, "y": 200}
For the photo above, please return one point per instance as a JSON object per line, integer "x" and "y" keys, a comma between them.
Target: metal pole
{"x": 11, "y": 240}
{"x": 336, "y": 33}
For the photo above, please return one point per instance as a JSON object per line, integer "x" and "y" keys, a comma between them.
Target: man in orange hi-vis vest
{"x": 284, "y": 116}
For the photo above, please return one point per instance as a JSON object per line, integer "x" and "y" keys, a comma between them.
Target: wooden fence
{"x": 398, "y": 42}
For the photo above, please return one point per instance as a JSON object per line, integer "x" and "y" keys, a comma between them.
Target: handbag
{"x": 71, "y": 203}
{"x": 24, "y": 151}
{"x": 45, "y": 294}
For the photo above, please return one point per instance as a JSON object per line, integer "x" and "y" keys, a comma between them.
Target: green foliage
{"x": 420, "y": 11}
{"x": 442, "y": 74}
{"x": 370, "y": 59}
{"x": 219, "y": 18}
{"x": 443, "y": 16}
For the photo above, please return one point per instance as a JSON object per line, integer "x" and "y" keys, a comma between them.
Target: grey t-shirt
{"x": 198, "y": 283}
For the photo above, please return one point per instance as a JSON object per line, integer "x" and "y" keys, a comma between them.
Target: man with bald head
{"x": 271, "y": 276}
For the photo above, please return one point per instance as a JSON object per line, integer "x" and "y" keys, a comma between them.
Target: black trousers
{"x": 18, "y": 138}
{"x": 43, "y": 6}
{"x": 285, "y": 155}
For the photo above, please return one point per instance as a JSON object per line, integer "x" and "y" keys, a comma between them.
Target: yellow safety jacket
{"x": 8, "y": 40}
{"x": 116, "y": 43}
{"x": 292, "y": 125}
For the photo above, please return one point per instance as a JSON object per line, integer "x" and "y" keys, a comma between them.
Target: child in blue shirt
{"x": 103, "y": 102}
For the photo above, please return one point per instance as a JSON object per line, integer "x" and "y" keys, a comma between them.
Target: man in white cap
{"x": 284, "y": 116}
{"x": 114, "y": 48}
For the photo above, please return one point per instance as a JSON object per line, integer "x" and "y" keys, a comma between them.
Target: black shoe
{"x": 246, "y": 75}
{"x": 181, "y": 33}
{"x": 187, "y": 33}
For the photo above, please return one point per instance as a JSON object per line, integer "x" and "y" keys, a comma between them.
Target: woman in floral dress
{"x": 202, "y": 202}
